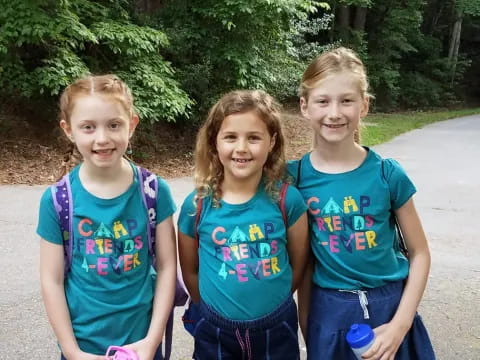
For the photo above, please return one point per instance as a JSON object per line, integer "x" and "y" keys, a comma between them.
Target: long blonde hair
{"x": 209, "y": 172}
{"x": 107, "y": 85}
{"x": 332, "y": 62}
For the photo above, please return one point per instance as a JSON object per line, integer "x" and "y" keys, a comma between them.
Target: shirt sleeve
{"x": 165, "y": 204}
{"x": 400, "y": 186}
{"x": 48, "y": 226}
{"x": 187, "y": 216}
{"x": 294, "y": 205}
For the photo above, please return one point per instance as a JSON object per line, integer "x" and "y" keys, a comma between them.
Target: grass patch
{"x": 380, "y": 128}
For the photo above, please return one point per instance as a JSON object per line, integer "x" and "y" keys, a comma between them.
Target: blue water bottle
{"x": 360, "y": 337}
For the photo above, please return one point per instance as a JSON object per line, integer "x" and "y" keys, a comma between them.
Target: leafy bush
{"x": 45, "y": 45}
{"x": 223, "y": 45}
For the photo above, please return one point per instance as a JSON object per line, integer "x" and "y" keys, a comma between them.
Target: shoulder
{"x": 294, "y": 204}
{"x": 293, "y": 195}
{"x": 162, "y": 184}
{"x": 187, "y": 217}
{"x": 47, "y": 199}
{"x": 189, "y": 204}
{"x": 294, "y": 167}
{"x": 390, "y": 168}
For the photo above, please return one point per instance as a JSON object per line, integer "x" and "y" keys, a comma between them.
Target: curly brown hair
{"x": 209, "y": 172}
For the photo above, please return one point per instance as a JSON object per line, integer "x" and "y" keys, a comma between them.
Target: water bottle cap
{"x": 359, "y": 335}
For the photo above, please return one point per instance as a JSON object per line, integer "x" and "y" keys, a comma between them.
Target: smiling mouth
{"x": 334, "y": 126}
{"x": 241, "y": 161}
{"x": 103, "y": 152}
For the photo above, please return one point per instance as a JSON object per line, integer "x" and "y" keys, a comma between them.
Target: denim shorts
{"x": 333, "y": 311}
{"x": 272, "y": 337}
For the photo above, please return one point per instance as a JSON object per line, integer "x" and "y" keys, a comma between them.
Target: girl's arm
{"x": 298, "y": 248}
{"x": 188, "y": 254}
{"x": 304, "y": 295}
{"x": 390, "y": 335}
{"x": 166, "y": 266}
{"x": 53, "y": 294}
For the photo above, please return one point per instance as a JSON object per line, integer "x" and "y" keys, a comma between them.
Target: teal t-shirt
{"x": 244, "y": 269}
{"x": 352, "y": 233}
{"x": 111, "y": 284}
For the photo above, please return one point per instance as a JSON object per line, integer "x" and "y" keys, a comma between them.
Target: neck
{"x": 337, "y": 158}
{"x": 94, "y": 173}
{"x": 237, "y": 191}
{"x": 106, "y": 182}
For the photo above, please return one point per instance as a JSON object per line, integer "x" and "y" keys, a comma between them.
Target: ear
{"x": 303, "y": 106}
{"x": 365, "y": 107}
{"x": 272, "y": 142}
{"x": 133, "y": 125}
{"x": 66, "y": 129}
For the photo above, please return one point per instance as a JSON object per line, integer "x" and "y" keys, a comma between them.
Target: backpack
{"x": 192, "y": 313}
{"x": 402, "y": 245}
{"x": 148, "y": 187}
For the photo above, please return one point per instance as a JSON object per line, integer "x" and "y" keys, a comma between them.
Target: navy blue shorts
{"x": 272, "y": 337}
{"x": 333, "y": 311}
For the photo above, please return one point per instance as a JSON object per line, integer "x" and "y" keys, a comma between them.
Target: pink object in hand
{"x": 121, "y": 353}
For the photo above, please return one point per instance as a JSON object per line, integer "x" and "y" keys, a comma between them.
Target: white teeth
{"x": 334, "y": 126}
{"x": 241, "y": 160}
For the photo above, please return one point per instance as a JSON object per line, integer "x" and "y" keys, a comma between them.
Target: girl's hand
{"x": 143, "y": 348}
{"x": 388, "y": 338}
{"x": 81, "y": 355}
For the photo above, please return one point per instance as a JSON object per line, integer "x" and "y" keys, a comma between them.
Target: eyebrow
{"x": 328, "y": 95}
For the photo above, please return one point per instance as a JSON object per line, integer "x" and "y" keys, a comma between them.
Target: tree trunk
{"x": 455, "y": 43}
{"x": 331, "y": 32}
{"x": 148, "y": 6}
{"x": 360, "y": 18}
{"x": 344, "y": 22}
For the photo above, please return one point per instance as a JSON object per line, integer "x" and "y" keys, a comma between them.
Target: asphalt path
{"x": 443, "y": 159}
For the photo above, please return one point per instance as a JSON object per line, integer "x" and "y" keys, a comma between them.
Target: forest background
{"x": 180, "y": 56}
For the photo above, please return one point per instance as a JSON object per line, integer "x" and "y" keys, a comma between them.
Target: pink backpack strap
{"x": 281, "y": 204}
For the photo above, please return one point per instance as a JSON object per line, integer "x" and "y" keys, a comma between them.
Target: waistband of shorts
{"x": 386, "y": 290}
{"x": 263, "y": 322}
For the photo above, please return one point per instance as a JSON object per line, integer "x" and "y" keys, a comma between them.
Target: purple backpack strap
{"x": 148, "y": 183}
{"x": 281, "y": 204}
{"x": 62, "y": 201}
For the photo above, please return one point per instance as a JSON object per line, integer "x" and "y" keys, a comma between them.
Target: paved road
{"x": 442, "y": 159}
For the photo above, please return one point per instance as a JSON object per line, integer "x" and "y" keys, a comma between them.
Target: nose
{"x": 334, "y": 111}
{"x": 241, "y": 145}
{"x": 101, "y": 135}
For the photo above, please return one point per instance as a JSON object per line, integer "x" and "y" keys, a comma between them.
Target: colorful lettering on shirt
{"x": 249, "y": 252}
{"x": 106, "y": 250}
{"x": 346, "y": 226}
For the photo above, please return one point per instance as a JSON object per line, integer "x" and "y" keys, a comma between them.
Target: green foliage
{"x": 393, "y": 31}
{"x": 223, "y": 45}
{"x": 180, "y": 60}
{"x": 45, "y": 45}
